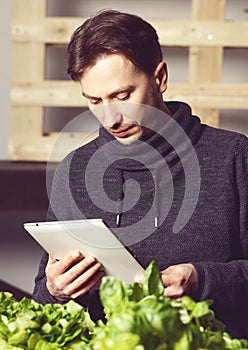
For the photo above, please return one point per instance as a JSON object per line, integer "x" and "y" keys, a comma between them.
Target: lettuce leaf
{"x": 139, "y": 317}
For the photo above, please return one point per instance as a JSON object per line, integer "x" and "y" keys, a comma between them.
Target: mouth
{"x": 122, "y": 133}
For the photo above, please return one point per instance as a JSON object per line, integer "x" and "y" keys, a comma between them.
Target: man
{"x": 189, "y": 211}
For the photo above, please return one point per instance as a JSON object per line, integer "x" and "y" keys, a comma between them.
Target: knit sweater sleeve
{"x": 227, "y": 282}
{"x": 59, "y": 209}
{"x": 40, "y": 292}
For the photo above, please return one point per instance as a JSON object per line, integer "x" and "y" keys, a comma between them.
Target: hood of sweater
{"x": 172, "y": 143}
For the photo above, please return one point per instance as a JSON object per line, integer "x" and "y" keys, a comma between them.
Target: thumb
{"x": 51, "y": 260}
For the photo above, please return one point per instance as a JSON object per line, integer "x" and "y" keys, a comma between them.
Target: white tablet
{"x": 91, "y": 237}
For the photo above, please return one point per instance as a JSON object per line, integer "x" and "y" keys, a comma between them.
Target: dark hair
{"x": 113, "y": 32}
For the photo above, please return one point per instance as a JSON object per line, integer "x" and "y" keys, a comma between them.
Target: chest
{"x": 207, "y": 231}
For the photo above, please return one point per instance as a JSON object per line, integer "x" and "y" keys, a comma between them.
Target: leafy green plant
{"x": 30, "y": 325}
{"x": 152, "y": 321}
{"x": 138, "y": 318}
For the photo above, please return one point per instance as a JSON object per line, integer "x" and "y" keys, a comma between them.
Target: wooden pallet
{"x": 205, "y": 34}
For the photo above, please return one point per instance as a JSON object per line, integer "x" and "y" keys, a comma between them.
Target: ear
{"x": 161, "y": 76}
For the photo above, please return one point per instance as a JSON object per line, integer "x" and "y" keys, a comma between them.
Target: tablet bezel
{"x": 90, "y": 236}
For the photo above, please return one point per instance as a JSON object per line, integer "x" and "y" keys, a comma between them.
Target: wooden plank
{"x": 52, "y": 147}
{"x": 211, "y": 95}
{"x": 28, "y": 58}
{"x": 28, "y": 62}
{"x": 67, "y": 93}
{"x": 213, "y": 10}
{"x": 48, "y": 93}
{"x": 205, "y": 63}
{"x": 26, "y": 139}
{"x": 184, "y": 33}
{"x": 27, "y": 120}
{"x": 28, "y": 66}
{"x": 29, "y": 9}
{"x": 32, "y": 148}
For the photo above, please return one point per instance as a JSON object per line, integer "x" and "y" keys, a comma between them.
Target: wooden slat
{"x": 31, "y": 58}
{"x": 211, "y": 95}
{"x": 205, "y": 63}
{"x": 51, "y": 147}
{"x": 66, "y": 93}
{"x": 29, "y": 9}
{"x": 57, "y": 30}
{"x": 28, "y": 66}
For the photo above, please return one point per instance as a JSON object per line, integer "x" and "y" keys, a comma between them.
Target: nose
{"x": 111, "y": 115}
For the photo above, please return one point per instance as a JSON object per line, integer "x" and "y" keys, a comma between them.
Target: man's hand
{"x": 179, "y": 280}
{"x": 72, "y": 276}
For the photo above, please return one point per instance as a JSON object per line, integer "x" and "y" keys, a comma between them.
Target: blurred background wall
{"x": 5, "y": 74}
{"x": 19, "y": 255}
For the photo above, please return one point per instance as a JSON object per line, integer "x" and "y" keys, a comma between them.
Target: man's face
{"x": 115, "y": 91}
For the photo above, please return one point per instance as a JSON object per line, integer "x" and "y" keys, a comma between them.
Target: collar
{"x": 179, "y": 133}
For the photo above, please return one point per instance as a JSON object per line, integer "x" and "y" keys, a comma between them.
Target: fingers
{"x": 174, "y": 292}
{"x": 81, "y": 273}
{"x": 76, "y": 267}
{"x": 91, "y": 283}
{"x": 72, "y": 276}
{"x": 176, "y": 276}
{"x": 67, "y": 261}
{"x": 139, "y": 279}
{"x": 179, "y": 280}
{"x": 174, "y": 282}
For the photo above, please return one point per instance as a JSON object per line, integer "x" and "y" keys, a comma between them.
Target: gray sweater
{"x": 183, "y": 198}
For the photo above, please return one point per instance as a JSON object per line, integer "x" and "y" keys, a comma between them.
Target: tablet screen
{"x": 90, "y": 236}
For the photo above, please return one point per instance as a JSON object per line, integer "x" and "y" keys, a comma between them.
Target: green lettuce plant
{"x": 138, "y": 318}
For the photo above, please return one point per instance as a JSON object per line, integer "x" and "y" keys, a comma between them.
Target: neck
{"x": 162, "y": 106}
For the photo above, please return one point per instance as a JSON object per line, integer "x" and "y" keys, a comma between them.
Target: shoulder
{"x": 73, "y": 161}
{"x": 80, "y": 154}
{"x": 224, "y": 140}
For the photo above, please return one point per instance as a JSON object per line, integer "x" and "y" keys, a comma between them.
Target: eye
{"x": 123, "y": 96}
{"x": 94, "y": 101}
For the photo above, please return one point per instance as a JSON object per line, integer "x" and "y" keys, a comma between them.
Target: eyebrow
{"x": 125, "y": 88}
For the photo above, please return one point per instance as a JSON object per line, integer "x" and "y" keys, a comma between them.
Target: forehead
{"x": 109, "y": 73}
{"x": 109, "y": 62}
